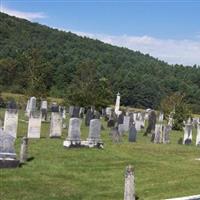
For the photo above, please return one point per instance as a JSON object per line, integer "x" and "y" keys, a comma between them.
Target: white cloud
{"x": 24, "y": 15}
{"x": 186, "y": 52}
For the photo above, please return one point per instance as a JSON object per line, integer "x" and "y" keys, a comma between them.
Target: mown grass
{"x": 55, "y": 173}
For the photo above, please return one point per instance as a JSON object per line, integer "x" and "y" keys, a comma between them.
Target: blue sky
{"x": 168, "y": 30}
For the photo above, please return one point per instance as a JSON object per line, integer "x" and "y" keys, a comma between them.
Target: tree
{"x": 88, "y": 88}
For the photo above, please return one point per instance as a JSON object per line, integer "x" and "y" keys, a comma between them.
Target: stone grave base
{"x": 9, "y": 163}
{"x": 90, "y": 144}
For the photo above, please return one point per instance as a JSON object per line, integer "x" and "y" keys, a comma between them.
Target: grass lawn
{"x": 55, "y": 173}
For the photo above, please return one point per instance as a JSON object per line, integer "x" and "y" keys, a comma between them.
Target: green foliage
{"x": 37, "y": 60}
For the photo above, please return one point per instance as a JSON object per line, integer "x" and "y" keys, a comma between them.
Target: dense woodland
{"x": 41, "y": 61}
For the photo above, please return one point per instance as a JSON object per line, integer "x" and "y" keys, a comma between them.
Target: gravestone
{"x": 11, "y": 122}
{"x": 108, "y": 111}
{"x": 198, "y": 135}
{"x": 187, "y": 139}
{"x": 120, "y": 119}
{"x": 54, "y": 107}
{"x": 158, "y": 134}
{"x": 94, "y": 133}
{"x": 64, "y": 113}
{"x": 129, "y": 188}
{"x": 7, "y": 151}
{"x": 166, "y": 131}
{"x": 44, "y": 110}
{"x": 131, "y": 121}
{"x": 76, "y": 112}
{"x": 74, "y": 133}
{"x": 81, "y": 113}
{"x": 71, "y": 108}
{"x": 32, "y": 105}
{"x": 126, "y": 123}
{"x": 89, "y": 116}
{"x": 151, "y": 122}
{"x": 27, "y": 112}
{"x": 24, "y": 150}
{"x": 34, "y": 126}
{"x": 132, "y": 134}
{"x": 139, "y": 124}
{"x": 56, "y": 125}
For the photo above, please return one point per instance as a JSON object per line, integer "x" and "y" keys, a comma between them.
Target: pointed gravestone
{"x": 34, "y": 126}
{"x": 7, "y": 151}
{"x": 56, "y": 125}
{"x": 74, "y": 133}
{"x": 132, "y": 134}
{"x": 11, "y": 120}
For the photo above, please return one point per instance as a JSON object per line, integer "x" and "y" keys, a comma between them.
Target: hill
{"x": 34, "y": 55}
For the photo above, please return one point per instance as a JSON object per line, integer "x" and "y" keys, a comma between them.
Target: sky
{"x": 166, "y": 29}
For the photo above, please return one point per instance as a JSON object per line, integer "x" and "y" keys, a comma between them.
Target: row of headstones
{"x": 34, "y": 124}
{"x": 74, "y": 134}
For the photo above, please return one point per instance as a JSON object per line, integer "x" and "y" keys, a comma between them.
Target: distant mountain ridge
{"x": 141, "y": 79}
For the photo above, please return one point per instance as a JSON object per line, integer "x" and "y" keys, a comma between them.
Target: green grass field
{"x": 55, "y": 173}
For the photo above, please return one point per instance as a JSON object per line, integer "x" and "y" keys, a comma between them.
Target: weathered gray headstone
{"x": 56, "y": 125}
{"x": 198, "y": 135}
{"x": 151, "y": 122}
{"x": 32, "y": 105}
{"x": 126, "y": 123}
{"x": 89, "y": 116}
{"x": 94, "y": 133}
{"x": 187, "y": 139}
{"x": 7, "y": 151}
{"x": 74, "y": 133}
{"x": 34, "y": 126}
{"x": 129, "y": 188}
{"x": 76, "y": 112}
{"x": 11, "y": 122}
{"x": 71, "y": 108}
{"x": 166, "y": 131}
{"x": 44, "y": 110}
{"x": 132, "y": 134}
{"x": 24, "y": 150}
{"x": 158, "y": 134}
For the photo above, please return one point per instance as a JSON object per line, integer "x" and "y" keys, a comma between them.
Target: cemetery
{"x": 87, "y": 158}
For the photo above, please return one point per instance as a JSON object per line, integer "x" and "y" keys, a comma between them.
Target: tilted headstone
{"x": 132, "y": 134}
{"x": 56, "y": 125}
{"x": 7, "y": 151}
{"x": 198, "y": 135}
{"x": 187, "y": 139}
{"x": 129, "y": 188}
{"x": 11, "y": 122}
{"x": 94, "y": 131}
{"x": 24, "y": 150}
{"x": 166, "y": 132}
{"x": 34, "y": 126}
{"x": 158, "y": 134}
{"x": 126, "y": 123}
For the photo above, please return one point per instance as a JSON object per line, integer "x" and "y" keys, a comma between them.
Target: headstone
{"x": 139, "y": 124}
{"x": 34, "y": 126}
{"x": 166, "y": 131}
{"x": 64, "y": 113}
{"x": 117, "y": 104}
{"x": 126, "y": 123}
{"x": 94, "y": 132}
{"x": 56, "y": 125}
{"x": 71, "y": 108}
{"x": 24, "y": 150}
{"x": 32, "y": 105}
{"x": 158, "y": 134}
{"x": 198, "y": 135}
{"x": 129, "y": 188}
{"x": 132, "y": 134}
{"x": 81, "y": 113}
{"x": 27, "y": 108}
{"x": 44, "y": 110}
{"x": 74, "y": 133}
{"x": 120, "y": 119}
{"x": 54, "y": 107}
{"x": 108, "y": 111}
{"x": 11, "y": 122}
{"x": 89, "y": 116}
{"x": 7, "y": 151}
{"x": 97, "y": 114}
{"x": 151, "y": 122}
{"x": 76, "y": 112}
{"x": 187, "y": 139}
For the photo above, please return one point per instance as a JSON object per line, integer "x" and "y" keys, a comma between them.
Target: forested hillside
{"x": 36, "y": 59}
